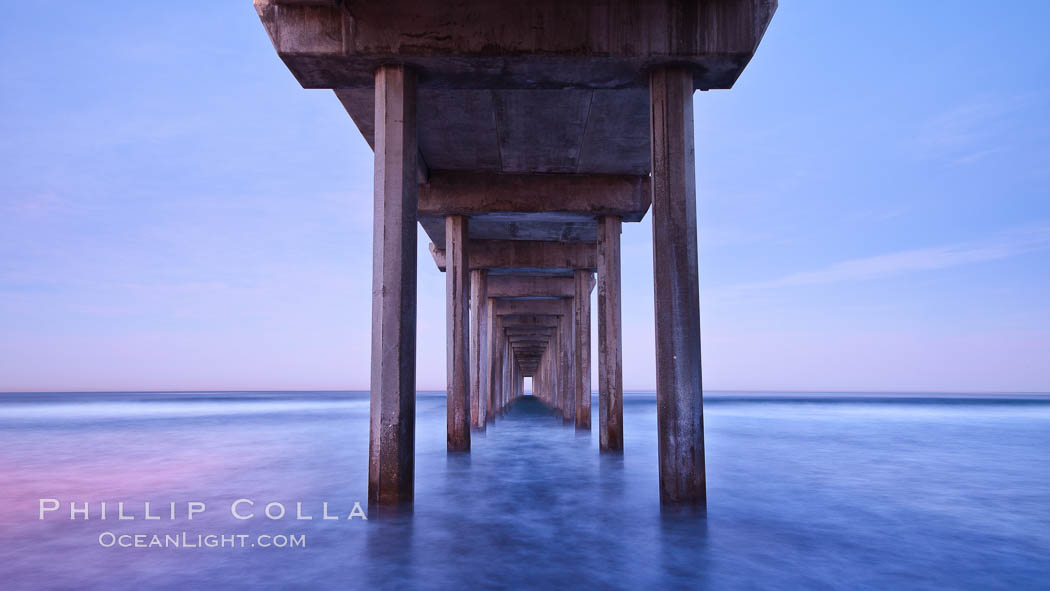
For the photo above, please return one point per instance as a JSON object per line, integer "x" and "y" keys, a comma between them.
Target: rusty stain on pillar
{"x": 478, "y": 318}
{"x": 679, "y": 398}
{"x": 610, "y": 347}
{"x": 391, "y": 441}
{"x": 457, "y": 303}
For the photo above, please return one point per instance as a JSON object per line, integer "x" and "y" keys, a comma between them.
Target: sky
{"x": 176, "y": 212}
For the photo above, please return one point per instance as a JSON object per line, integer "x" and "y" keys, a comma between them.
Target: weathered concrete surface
{"x": 508, "y": 377}
{"x": 610, "y": 346}
{"x": 554, "y": 356}
{"x": 679, "y": 401}
{"x": 478, "y": 346}
{"x": 588, "y": 195}
{"x": 553, "y": 207}
{"x": 549, "y": 307}
{"x": 518, "y": 286}
{"x": 392, "y": 430}
{"x": 535, "y": 119}
{"x": 507, "y": 44}
{"x": 566, "y": 346}
{"x": 457, "y": 309}
{"x": 489, "y": 357}
{"x": 582, "y": 331}
{"x": 498, "y": 347}
{"x": 524, "y": 256}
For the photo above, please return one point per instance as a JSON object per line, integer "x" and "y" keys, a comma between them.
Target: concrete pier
{"x": 521, "y": 136}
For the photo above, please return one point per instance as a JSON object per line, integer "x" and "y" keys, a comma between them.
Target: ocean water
{"x": 804, "y": 491}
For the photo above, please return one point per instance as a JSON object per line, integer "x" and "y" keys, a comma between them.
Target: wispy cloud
{"x": 970, "y": 132}
{"x": 1017, "y": 242}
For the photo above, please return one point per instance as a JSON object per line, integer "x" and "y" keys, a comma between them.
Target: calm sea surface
{"x": 805, "y": 491}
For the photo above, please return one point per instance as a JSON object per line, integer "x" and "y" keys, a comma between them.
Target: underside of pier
{"x": 521, "y": 136}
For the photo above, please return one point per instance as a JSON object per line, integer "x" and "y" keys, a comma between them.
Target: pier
{"x": 521, "y": 136}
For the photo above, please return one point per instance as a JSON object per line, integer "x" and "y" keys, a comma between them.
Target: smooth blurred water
{"x": 805, "y": 491}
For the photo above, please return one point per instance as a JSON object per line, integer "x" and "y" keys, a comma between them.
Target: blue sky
{"x": 177, "y": 213}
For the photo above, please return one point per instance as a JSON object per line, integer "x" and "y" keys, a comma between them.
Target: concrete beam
{"x": 583, "y": 195}
{"x": 525, "y": 255}
{"x": 531, "y": 307}
{"x": 528, "y": 333}
{"x": 509, "y": 44}
{"x": 507, "y": 286}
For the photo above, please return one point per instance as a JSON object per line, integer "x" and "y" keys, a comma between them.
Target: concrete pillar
{"x": 392, "y": 429}
{"x": 568, "y": 399}
{"x": 498, "y": 337}
{"x": 679, "y": 397}
{"x": 490, "y": 358}
{"x": 582, "y": 329}
{"x": 512, "y": 376}
{"x": 545, "y": 374}
{"x": 552, "y": 362}
{"x": 508, "y": 365}
{"x": 478, "y": 318}
{"x": 610, "y": 348}
{"x": 457, "y": 349}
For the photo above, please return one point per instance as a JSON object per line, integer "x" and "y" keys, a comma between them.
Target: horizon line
{"x": 593, "y": 392}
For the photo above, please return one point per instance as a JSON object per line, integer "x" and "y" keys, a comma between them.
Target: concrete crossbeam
{"x": 508, "y": 44}
{"x": 583, "y": 195}
{"x": 525, "y": 255}
{"x": 507, "y": 286}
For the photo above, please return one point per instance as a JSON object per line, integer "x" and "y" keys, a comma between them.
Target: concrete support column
{"x": 568, "y": 403}
{"x": 582, "y": 329}
{"x": 508, "y": 367}
{"x": 679, "y": 397}
{"x": 556, "y": 362}
{"x": 553, "y": 357}
{"x": 490, "y": 350}
{"x": 512, "y": 377}
{"x": 610, "y": 347}
{"x": 498, "y": 338}
{"x": 392, "y": 429}
{"x": 478, "y": 319}
{"x": 545, "y": 374}
{"x": 457, "y": 349}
